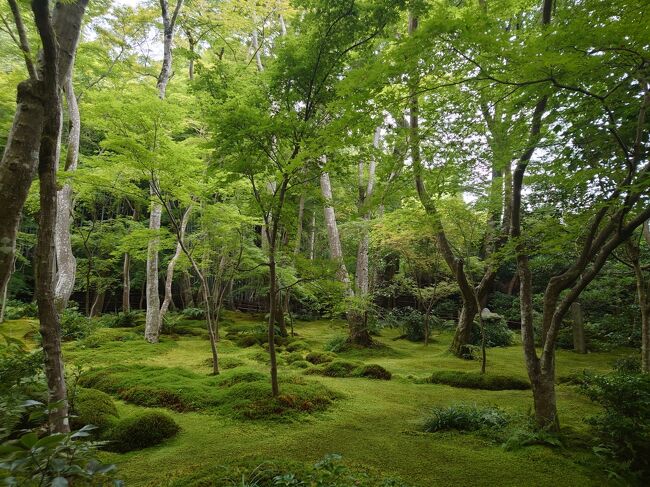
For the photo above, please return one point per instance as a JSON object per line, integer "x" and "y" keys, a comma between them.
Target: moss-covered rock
{"x": 91, "y": 406}
{"x": 141, "y": 431}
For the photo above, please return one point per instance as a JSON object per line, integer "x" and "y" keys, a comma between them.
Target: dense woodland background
{"x": 326, "y": 183}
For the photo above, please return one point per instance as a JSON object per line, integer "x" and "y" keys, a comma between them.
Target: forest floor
{"x": 375, "y": 424}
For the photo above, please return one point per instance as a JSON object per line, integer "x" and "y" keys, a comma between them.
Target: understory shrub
{"x": 623, "y": 428}
{"x": 372, "y": 371}
{"x": 122, "y": 319}
{"x": 476, "y": 380}
{"x": 34, "y": 460}
{"x": 411, "y": 321}
{"x": 328, "y": 472}
{"x": 337, "y": 344}
{"x": 194, "y": 313}
{"x": 15, "y": 310}
{"x": 630, "y": 364}
{"x": 90, "y": 406}
{"x": 141, "y": 431}
{"x": 18, "y": 364}
{"x": 497, "y": 333}
{"x": 75, "y": 326}
{"x": 464, "y": 417}
{"x": 523, "y": 437}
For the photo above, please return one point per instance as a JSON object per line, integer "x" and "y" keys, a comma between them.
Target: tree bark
{"x": 312, "y": 235}
{"x": 65, "y": 260}
{"x": 170, "y": 269}
{"x": 98, "y": 304}
{"x": 152, "y": 323}
{"x": 20, "y": 158}
{"x": 186, "y": 290}
{"x": 169, "y": 24}
{"x": 579, "y": 344}
{"x": 126, "y": 283}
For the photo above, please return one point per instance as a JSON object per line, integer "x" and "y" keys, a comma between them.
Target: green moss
{"x": 244, "y": 393}
{"x": 372, "y": 371}
{"x": 91, "y": 406}
{"x": 317, "y": 358}
{"x": 475, "y": 380}
{"x": 297, "y": 345}
{"x": 141, "y": 431}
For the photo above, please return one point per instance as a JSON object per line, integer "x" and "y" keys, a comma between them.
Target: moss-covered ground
{"x": 373, "y": 424}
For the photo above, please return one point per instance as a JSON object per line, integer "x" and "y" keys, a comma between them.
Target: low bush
{"x": 372, "y": 371}
{"x": 90, "y": 406}
{"x": 462, "y": 417}
{"x": 623, "y": 428}
{"x": 141, "y": 431}
{"x": 475, "y": 380}
{"x": 17, "y": 364}
{"x": 123, "y": 319}
{"x": 15, "y": 310}
{"x": 225, "y": 363}
{"x": 497, "y": 333}
{"x": 529, "y": 436}
{"x": 338, "y": 368}
{"x": 328, "y": 472}
{"x": 628, "y": 365}
{"x": 194, "y": 313}
{"x": 337, "y": 344}
{"x": 75, "y": 326}
{"x": 318, "y": 358}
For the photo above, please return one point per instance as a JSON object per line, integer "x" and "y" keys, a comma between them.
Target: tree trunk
{"x": 126, "y": 283}
{"x": 152, "y": 324}
{"x": 98, "y": 304}
{"x": 301, "y": 211}
{"x": 3, "y": 305}
{"x": 45, "y": 252}
{"x": 170, "y": 269}
{"x": 65, "y": 260}
{"x": 579, "y": 344}
{"x": 186, "y": 290}
{"x": 464, "y": 329}
{"x": 336, "y": 251}
{"x": 273, "y": 306}
{"x": 312, "y": 235}
{"x": 168, "y": 37}
{"x": 20, "y": 157}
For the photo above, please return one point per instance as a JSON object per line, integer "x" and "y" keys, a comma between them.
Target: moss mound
{"x": 373, "y": 371}
{"x": 91, "y": 406}
{"x": 475, "y": 380}
{"x": 141, "y": 431}
{"x": 297, "y": 346}
{"x": 318, "y": 358}
{"x": 241, "y": 393}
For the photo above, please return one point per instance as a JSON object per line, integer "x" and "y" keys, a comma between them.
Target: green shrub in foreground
{"x": 462, "y": 417}
{"x": 318, "y": 358}
{"x": 475, "y": 380}
{"x": 141, "y": 431}
{"x": 623, "y": 428}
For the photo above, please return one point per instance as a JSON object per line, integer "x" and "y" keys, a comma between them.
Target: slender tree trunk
{"x": 98, "y": 304}
{"x": 3, "y": 305}
{"x": 169, "y": 23}
{"x": 644, "y": 301}
{"x": 301, "y": 212}
{"x": 579, "y": 344}
{"x": 20, "y": 158}
{"x": 312, "y": 235}
{"x": 152, "y": 324}
{"x": 126, "y": 283}
{"x": 186, "y": 290}
{"x": 273, "y": 305}
{"x": 170, "y": 269}
{"x": 65, "y": 260}
{"x": 336, "y": 251}
{"x": 45, "y": 252}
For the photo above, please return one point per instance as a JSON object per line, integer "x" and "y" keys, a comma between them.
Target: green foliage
{"x": 337, "y": 344}
{"x": 630, "y": 364}
{"x": 15, "y": 310}
{"x": 75, "y": 326}
{"x": 194, "y": 313}
{"x": 141, "y": 431}
{"x": 297, "y": 346}
{"x": 523, "y": 437}
{"x": 623, "y": 428}
{"x": 34, "y": 459}
{"x": 464, "y": 417}
{"x": 497, "y": 333}
{"x": 411, "y": 321}
{"x": 476, "y": 380}
{"x": 346, "y": 368}
{"x": 372, "y": 371}
{"x": 328, "y": 472}
{"x": 17, "y": 364}
{"x": 123, "y": 319}
{"x": 92, "y": 407}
